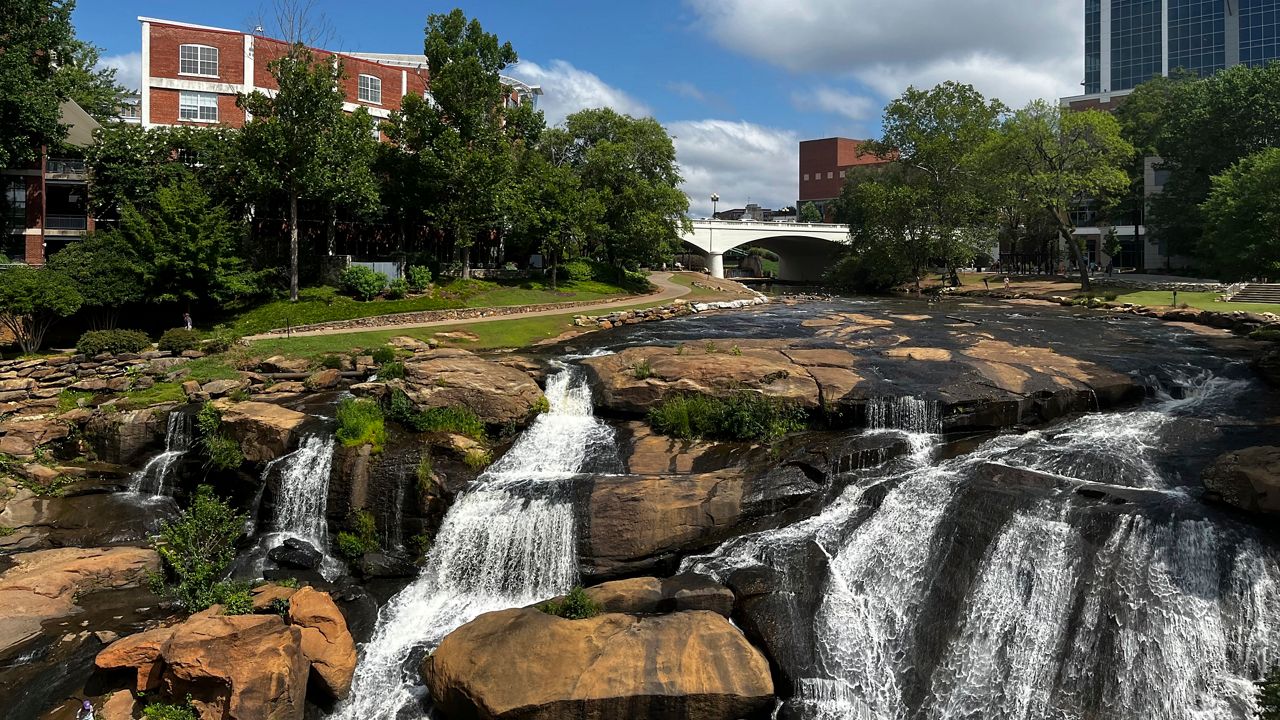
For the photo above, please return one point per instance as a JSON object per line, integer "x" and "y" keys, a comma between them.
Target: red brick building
{"x": 823, "y": 165}
{"x": 192, "y": 74}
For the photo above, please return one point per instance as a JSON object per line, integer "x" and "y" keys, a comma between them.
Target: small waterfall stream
{"x": 155, "y": 477}
{"x": 507, "y": 542}
{"x": 303, "y": 494}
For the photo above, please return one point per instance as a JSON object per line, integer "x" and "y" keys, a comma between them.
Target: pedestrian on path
{"x": 186, "y": 319}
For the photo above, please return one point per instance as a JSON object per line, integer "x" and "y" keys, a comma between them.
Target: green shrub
{"x": 1266, "y": 333}
{"x": 360, "y": 538}
{"x": 349, "y": 545}
{"x": 477, "y": 459}
{"x": 290, "y": 582}
{"x": 426, "y": 475}
{"x": 391, "y": 371}
{"x": 165, "y": 711}
{"x": 198, "y": 547}
{"x": 179, "y": 340}
{"x": 739, "y": 416}
{"x": 360, "y": 422}
{"x": 577, "y": 605}
{"x": 642, "y": 369}
{"x": 541, "y": 405}
{"x": 418, "y": 277}
{"x": 5, "y": 531}
{"x": 331, "y": 362}
{"x": 455, "y": 419}
{"x": 221, "y": 450}
{"x": 362, "y": 282}
{"x": 115, "y": 342}
{"x": 222, "y": 339}
{"x": 236, "y": 599}
{"x": 383, "y": 355}
{"x": 419, "y": 544}
{"x": 397, "y": 290}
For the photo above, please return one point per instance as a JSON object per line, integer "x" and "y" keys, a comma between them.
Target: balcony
{"x": 65, "y": 169}
{"x": 66, "y": 222}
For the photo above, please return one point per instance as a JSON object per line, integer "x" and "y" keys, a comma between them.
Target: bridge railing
{"x": 771, "y": 224}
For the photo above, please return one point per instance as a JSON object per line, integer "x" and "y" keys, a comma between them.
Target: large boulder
{"x": 652, "y": 596}
{"x": 126, "y": 437}
{"x": 1248, "y": 479}
{"x": 264, "y": 430}
{"x": 496, "y": 393}
{"x": 631, "y": 523}
{"x": 296, "y": 553}
{"x": 682, "y": 665}
{"x": 243, "y": 667}
{"x": 326, "y": 642}
{"x": 44, "y": 585}
{"x": 139, "y": 653}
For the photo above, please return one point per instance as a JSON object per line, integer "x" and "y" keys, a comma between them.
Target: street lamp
{"x": 714, "y": 261}
{"x": 715, "y": 198}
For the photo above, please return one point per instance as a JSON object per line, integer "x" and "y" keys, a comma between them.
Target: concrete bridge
{"x": 804, "y": 250}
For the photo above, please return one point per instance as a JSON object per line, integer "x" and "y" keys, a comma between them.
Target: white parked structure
{"x": 805, "y": 250}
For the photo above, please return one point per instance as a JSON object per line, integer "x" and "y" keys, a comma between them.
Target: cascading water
{"x": 950, "y": 598}
{"x": 508, "y": 541}
{"x": 303, "y": 494}
{"x": 903, "y": 413}
{"x": 154, "y": 477}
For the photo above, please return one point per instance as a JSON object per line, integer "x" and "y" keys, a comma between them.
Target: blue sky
{"x": 738, "y": 82}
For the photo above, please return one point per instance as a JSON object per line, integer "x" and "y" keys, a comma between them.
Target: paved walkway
{"x": 668, "y": 291}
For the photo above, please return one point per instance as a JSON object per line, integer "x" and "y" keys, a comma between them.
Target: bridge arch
{"x": 804, "y": 250}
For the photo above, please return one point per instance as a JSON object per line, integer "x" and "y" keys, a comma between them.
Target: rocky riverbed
{"x": 962, "y": 530}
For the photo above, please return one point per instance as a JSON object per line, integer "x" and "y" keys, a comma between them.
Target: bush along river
{"x": 809, "y": 510}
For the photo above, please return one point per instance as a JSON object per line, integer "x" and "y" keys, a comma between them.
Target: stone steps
{"x": 1258, "y": 293}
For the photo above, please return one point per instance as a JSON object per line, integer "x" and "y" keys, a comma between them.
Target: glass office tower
{"x": 1130, "y": 41}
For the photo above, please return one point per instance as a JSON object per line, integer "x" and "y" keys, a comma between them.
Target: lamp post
{"x": 716, "y": 259}
{"x": 715, "y": 198}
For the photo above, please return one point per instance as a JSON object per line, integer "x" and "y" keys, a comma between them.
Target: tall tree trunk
{"x": 1078, "y": 256}
{"x": 293, "y": 246}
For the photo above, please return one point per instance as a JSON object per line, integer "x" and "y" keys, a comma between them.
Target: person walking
{"x": 85, "y": 712}
{"x": 186, "y": 319}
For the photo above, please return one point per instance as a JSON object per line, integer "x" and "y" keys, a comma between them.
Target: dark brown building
{"x": 823, "y": 165}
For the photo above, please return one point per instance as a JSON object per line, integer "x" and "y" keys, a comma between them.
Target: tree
{"x": 1243, "y": 214}
{"x": 33, "y": 35}
{"x": 1216, "y": 122}
{"x": 938, "y": 133}
{"x": 552, "y": 209}
{"x": 106, "y": 271}
{"x": 301, "y": 144}
{"x": 809, "y": 213}
{"x": 889, "y": 221}
{"x": 93, "y": 88}
{"x": 1054, "y": 157}
{"x": 32, "y": 300}
{"x": 630, "y": 164}
{"x": 198, "y": 547}
{"x": 127, "y": 164}
{"x": 190, "y": 245}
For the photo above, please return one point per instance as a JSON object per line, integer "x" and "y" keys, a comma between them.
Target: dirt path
{"x": 668, "y": 291}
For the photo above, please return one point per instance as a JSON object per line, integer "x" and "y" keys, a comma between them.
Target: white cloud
{"x": 740, "y": 161}
{"x": 1013, "y": 50}
{"x": 128, "y": 68}
{"x": 687, "y": 90}
{"x": 837, "y": 102}
{"x": 568, "y": 89}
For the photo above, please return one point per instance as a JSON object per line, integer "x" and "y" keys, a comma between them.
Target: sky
{"x": 738, "y": 83}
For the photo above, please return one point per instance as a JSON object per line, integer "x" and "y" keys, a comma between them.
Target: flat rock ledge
{"x": 448, "y": 377}
{"x": 524, "y": 664}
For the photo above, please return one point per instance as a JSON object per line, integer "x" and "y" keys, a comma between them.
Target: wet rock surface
{"x": 296, "y": 553}
{"x": 442, "y": 378}
{"x": 264, "y": 430}
{"x": 681, "y": 665}
{"x": 1248, "y": 479}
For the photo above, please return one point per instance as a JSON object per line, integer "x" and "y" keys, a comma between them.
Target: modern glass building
{"x": 1130, "y": 41}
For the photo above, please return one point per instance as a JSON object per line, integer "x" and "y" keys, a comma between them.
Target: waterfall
{"x": 303, "y": 494}
{"x": 903, "y": 413}
{"x": 154, "y": 477}
{"x": 509, "y": 541}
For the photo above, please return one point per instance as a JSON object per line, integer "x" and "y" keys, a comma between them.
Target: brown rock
{"x": 288, "y": 386}
{"x": 37, "y": 432}
{"x": 326, "y": 642}
{"x": 120, "y": 705}
{"x": 243, "y": 667}
{"x": 126, "y": 437}
{"x": 16, "y": 446}
{"x": 140, "y": 652}
{"x": 264, "y": 595}
{"x": 323, "y": 379}
{"x": 1248, "y": 479}
{"x": 191, "y": 388}
{"x": 219, "y": 388}
{"x": 684, "y": 665}
{"x": 263, "y": 430}
{"x": 282, "y": 364}
{"x": 496, "y": 393}
{"x": 45, "y": 584}
{"x": 648, "y": 595}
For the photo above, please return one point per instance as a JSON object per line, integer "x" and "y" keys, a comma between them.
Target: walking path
{"x": 668, "y": 291}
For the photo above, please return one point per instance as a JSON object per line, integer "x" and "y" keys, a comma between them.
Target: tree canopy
{"x": 32, "y": 300}
{"x": 1243, "y": 214}
{"x": 33, "y": 34}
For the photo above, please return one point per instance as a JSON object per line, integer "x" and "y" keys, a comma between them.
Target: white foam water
{"x": 155, "y": 478}
{"x": 507, "y": 542}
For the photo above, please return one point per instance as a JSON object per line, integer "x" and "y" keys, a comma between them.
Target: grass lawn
{"x": 325, "y": 304}
{"x": 1201, "y": 300}
{"x": 700, "y": 294}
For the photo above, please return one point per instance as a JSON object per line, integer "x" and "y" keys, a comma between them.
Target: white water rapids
{"x": 507, "y": 542}
{"x": 155, "y": 477}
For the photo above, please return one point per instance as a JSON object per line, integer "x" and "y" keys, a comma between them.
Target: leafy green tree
{"x": 889, "y": 222}
{"x": 32, "y": 300}
{"x": 938, "y": 133}
{"x": 1215, "y": 122}
{"x": 630, "y": 165}
{"x": 33, "y": 34}
{"x": 1054, "y": 156}
{"x": 190, "y": 247}
{"x": 809, "y": 213}
{"x": 197, "y": 549}
{"x": 93, "y": 88}
{"x": 1243, "y": 214}
{"x": 128, "y": 164}
{"x": 107, "y": 272}
{"x": 302, "y": 145}
{"x": 552, "y": 210}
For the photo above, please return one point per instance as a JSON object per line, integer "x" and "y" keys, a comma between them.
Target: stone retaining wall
{"x": 678, "y": 308}
{"x": 33, "y": 385}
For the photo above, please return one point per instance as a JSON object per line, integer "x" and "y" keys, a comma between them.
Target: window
{"x": 830, "y": 174}
{"x": 806, "y": 177}
{"x": 15, "y": 201}
{"x": 841, "y": 174}
{"x": 198, "y": 60}
{"x": 370, "y": 89}
{"x": 198, "y": 106}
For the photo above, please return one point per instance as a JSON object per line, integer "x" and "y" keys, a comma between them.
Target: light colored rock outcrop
{"x": 529, "y": 665}
{"x": 265, "y": 431}
{"x": 447, "y": 377}
{"x": 326, "y": 643}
